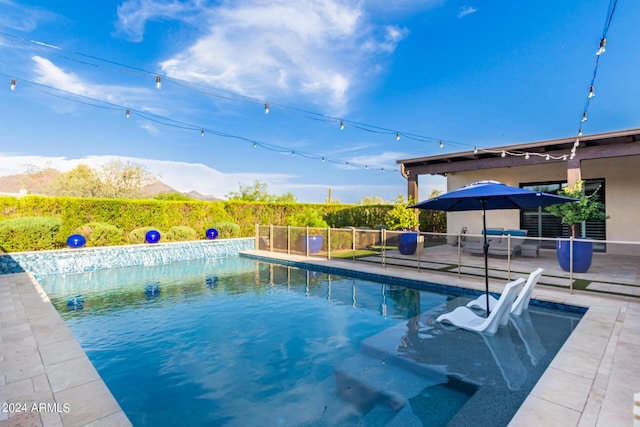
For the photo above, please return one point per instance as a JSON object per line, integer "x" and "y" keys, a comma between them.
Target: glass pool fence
{"x": 612, "y": 268}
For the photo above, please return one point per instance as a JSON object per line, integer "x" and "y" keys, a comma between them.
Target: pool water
{"x": 235, "y": 341}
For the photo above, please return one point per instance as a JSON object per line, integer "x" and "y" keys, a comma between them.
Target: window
{"x": 540, "y": 223}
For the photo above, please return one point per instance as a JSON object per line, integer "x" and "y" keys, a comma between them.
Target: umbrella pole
{"x": 486, "y": 255}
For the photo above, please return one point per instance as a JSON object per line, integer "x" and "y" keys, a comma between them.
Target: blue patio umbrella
{"x": 489, "y": 195}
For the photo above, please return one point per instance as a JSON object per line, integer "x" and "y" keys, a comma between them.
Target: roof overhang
{"x": 596, "y": 146}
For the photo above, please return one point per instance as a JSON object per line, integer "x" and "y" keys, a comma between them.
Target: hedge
{"x": 128, "y": 215}
{"x": 30, "y": 233}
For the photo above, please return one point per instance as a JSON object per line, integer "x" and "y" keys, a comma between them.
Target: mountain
{"x": 38, "y": 183}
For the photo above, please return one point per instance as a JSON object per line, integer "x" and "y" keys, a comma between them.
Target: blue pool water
{"x": 235, "y": 341}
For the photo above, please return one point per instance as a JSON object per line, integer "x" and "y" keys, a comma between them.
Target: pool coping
{"x": 593, "y": 378}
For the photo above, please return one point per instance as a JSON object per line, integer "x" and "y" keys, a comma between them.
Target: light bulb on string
{"x": 564, "y": 157}
{"x": 503, "y": 154}
{"x": 475, "y": 150}
{"x": 293, "y": 153}
{"x": 577, "y": 143}
{"x": 341, "y": 124}
{"x": 580, "y": 131}
{"x": 584, "y": 117}
{"x": 397, "y": 136}
{"x": 127, "y": 113}
{"x": 13, "y": 84}
{"x": 323, "y": 160}
{"x": 158, "y": 82}
{"x": 266, "y": 108}
{"x": 526, "y": 156}
{"x": 255, "y": 145}
{"x": 592, "y": 92}
{"x": 548, "y": 157}
{"x": 441, "y": 144}
{"x": 202, "y": 132}
{"x": 602, "y": 46}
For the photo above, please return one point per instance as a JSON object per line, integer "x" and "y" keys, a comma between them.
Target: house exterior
{"x": 608, "y": 162}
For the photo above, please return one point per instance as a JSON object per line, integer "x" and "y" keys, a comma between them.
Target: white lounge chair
{"x": 465, "y": 318}
{"x": 521, "y": 303}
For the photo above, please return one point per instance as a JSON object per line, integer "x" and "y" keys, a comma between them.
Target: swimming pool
{"x": 235, "y": 341}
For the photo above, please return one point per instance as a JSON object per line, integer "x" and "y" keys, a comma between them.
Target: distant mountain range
{"x": 36, "y": 183}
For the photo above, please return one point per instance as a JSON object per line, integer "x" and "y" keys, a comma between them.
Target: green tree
{"x": 401, "y": 218}
{"x": 258, "y": 192}
{"x": 573, "y": 214}
{"x": 372, "y": 200}
{"x": 124, "y": 179}
{"x": 81, "y": 181}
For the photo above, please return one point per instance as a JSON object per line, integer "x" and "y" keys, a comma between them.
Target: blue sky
{"x": 469, "y": 73}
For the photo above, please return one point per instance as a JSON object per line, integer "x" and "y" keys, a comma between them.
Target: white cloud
{"x": 263, "y": 48}
{"x": 466, "y": 10}
{"x": 22, "y": 17}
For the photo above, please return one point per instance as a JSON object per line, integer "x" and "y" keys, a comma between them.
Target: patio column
{"x": 412, "y": 187}
{"x": 573, "y": 171}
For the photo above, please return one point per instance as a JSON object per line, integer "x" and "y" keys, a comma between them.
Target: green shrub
{"x": 30, "y": 234}
{"x": 226, "y": 229}
{"x": 101, "y": 234}
{"x": 180, "y": 233}
{"x": 138, "y": 235}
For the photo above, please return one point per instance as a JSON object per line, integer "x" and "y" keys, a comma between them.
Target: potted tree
{"x": 401, "y": 218}
{"x": 313, "y": 219}
{"x": 587, "y": 208}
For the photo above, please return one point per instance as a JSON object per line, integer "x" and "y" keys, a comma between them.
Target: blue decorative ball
{"x": 76, "y": 241}
{"x": 152, "y": 236}
{"x": 212, "y": 233}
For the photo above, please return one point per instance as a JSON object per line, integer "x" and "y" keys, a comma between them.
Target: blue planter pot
{"x": 408, "y": 243}
{"x": 582, "y": 255}
{"x": 314, "y": 243}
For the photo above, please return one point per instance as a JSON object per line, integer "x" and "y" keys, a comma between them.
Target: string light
{"x": 202, "y": 132}
{"x": 255, "y": 145}
{"x": 397, "y": 136}
{"x": 158, "y": 82}
{"x": 475, "y": 150}
{"x": 526, "y": 156}
{"x": 266, "y": 108}
{"x": 441, "y": 144}
{"x": 13, "y": 84}
{"x": 592, "y": 92}
{"x": 503, "y": 154}
{"x": 341, "y": 124}
{"x": 584, "y": 117}
{"x": 127, "y": 113}
{"x": 602, "y": 46}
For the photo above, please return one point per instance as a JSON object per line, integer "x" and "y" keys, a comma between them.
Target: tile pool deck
{"x": 590, "y": 382}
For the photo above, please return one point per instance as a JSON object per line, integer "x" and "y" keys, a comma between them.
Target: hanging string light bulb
{"x": 158, "y": 82}
{"x": 13, "y": 84}
{"x": 526, "y": 156}
{"x": 266, "y": 108}
{"x": 584, "y": 117}
{"x": 475, "y": 150}
{"x": 503, "y": 154}
{"x": 602, "y": 46}
{"x": 341, "y": 124}
{"x": 255, "y": 145}
{"x": 441, "y": 144}
{"x": 592, "y": 92}
{"x": 127, "y": 113}
{"x": 397, "y": 136}
{"x": 202, "y": 132}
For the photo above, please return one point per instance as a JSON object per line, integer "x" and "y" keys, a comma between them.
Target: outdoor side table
{"x": 530, "y": 250}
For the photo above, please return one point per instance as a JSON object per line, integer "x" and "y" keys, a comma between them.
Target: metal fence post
{"x": 571, "y": 264}
{"x": 328, "y": 242}
{"x": 270, "y": 237}
{"x": 353, "y": 244}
